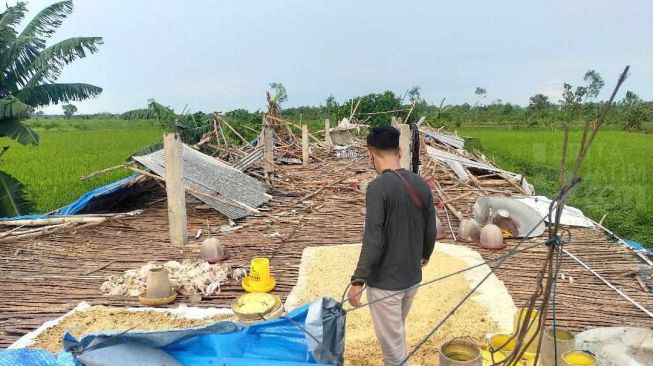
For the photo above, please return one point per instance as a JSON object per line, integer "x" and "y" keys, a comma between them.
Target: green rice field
{"x": 617, "y": 174}
{"x": 51, "y": 170}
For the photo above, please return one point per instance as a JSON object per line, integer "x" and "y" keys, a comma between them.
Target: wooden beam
{"x": 268, "y": 147}
{"x": 172, "y": 149}
{"x": 327, "y": 133}
{"x": 305, "y": 156}
{"x": 405, "y": 138}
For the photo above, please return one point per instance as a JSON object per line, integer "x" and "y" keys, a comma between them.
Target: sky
{"x": 222, "y": 55}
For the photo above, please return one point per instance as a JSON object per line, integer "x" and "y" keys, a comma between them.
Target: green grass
{"x": 89, "y": 124}
{"x": 617, "y": 174}
{"x": 51, "y": 171}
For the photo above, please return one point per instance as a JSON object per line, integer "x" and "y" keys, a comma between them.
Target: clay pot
{"x": 212, "y": 251}
{"x": 491, "y": 237}
{"x": 157, "y": 284}
{"x": 439, "y": 229}
{"x": 469, "y": 230}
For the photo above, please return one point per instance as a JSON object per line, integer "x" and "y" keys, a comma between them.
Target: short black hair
{"x": 383, "y": 138}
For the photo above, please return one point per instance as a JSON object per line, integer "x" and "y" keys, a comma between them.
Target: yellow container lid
{"x": 255, "y": 305}
{"x": 578, "y": 358}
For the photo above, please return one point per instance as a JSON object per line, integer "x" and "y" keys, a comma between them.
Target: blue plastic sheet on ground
{"x": 637, "y": 246}
{"x": 83, "y": 201}
{"x": 279, "y": 342}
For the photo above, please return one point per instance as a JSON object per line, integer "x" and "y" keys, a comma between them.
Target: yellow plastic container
{"x": 555, "y": 347}
{"x": 256, "y": 306}
{"x": 259, "y": 279}
{"x": 578, "y": 358}
{"x": 460, "y": 352}
{"x": 501, "y": 343}
{"x": 534, "y": 320}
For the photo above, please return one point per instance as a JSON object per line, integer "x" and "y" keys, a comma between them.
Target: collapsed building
{"x": 274, "y": 202}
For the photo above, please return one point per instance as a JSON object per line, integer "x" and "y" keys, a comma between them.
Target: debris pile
{"x": 188, "y": 278}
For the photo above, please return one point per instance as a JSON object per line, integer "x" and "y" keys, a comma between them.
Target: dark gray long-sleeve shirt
{"x": 397, "y": 234}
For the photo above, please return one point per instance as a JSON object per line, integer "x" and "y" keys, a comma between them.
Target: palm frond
{"x": 27, "y": 45}
{"x": 12, "y": 108}
{"x": 162, "y": 112}
{"x": 46, "y": 22}
{"x": 13, "y": 198}
{"x": 147, "y": 150}
{"x": 48, "y": 64}
{"x": 192, "y": 131}
{"x": 9, "y": 19}
{"x": 143, "y": 113}
{"x": 18, "y": 131}
{"x": 45, "y": 94}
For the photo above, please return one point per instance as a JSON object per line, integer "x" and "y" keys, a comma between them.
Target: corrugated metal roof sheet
{"x": 449, "y": 157}
{"x": 212, "y": 177}
{"x": 445, "y": 138}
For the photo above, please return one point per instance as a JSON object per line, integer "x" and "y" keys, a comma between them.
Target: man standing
{"x": 399, "y": 239}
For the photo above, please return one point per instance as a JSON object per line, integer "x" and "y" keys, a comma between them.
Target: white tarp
{"x": 571, "y": 216}
{"x": 618, "y": 346}
{"x": 181, "y": 311}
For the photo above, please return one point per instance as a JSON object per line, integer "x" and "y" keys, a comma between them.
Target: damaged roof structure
{"x": 48, "y": 269}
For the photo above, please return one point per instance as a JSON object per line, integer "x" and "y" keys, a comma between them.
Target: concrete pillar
{"x": 172, "y": 149}
{"x": 405, "y": 143}
{"x": 305, "y": 145}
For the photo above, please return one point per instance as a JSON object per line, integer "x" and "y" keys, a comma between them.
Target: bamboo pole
{"x": 297, "y": 127}
{"x": 236, "y": 132}
{"x": 106, "y": 170}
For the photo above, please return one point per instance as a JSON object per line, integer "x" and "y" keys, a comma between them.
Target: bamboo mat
{"x": 43, "y": 278}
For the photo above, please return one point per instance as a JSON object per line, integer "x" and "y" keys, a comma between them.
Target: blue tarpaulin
{"x": 310, "y": 335}
{"x": 637, "y": 246}
{"x": 101, "y": 193}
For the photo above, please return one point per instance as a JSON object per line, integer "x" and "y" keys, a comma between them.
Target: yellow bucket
{"x": 534, "y": 320}
{"x": 460, "y": 352}
{"x": 259, "y": 279}
{"x": 503, "y": 344}
{"x": 259, "y": 270}
{"x": 578, "y": 358}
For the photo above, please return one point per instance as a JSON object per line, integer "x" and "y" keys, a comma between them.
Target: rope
{"x": 646, "y": 311}
{"x": 438, "y": 278}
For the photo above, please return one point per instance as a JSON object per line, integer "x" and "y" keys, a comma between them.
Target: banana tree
{"x": 190, "y": 127}
{"x": 30, "y": 69}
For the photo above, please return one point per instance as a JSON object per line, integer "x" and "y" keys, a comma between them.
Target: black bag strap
{"x": 412, "y": 193}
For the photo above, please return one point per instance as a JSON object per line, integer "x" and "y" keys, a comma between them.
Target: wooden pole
{"x": 172, "y": 149}
{"x": 268, "y": 147}
{"x": 305, "y": 144}
{"x": 327, "y": 133}
{"x": 405, "y": 137}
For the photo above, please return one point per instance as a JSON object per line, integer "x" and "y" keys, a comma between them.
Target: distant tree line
{"x": 578, "y": 104}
